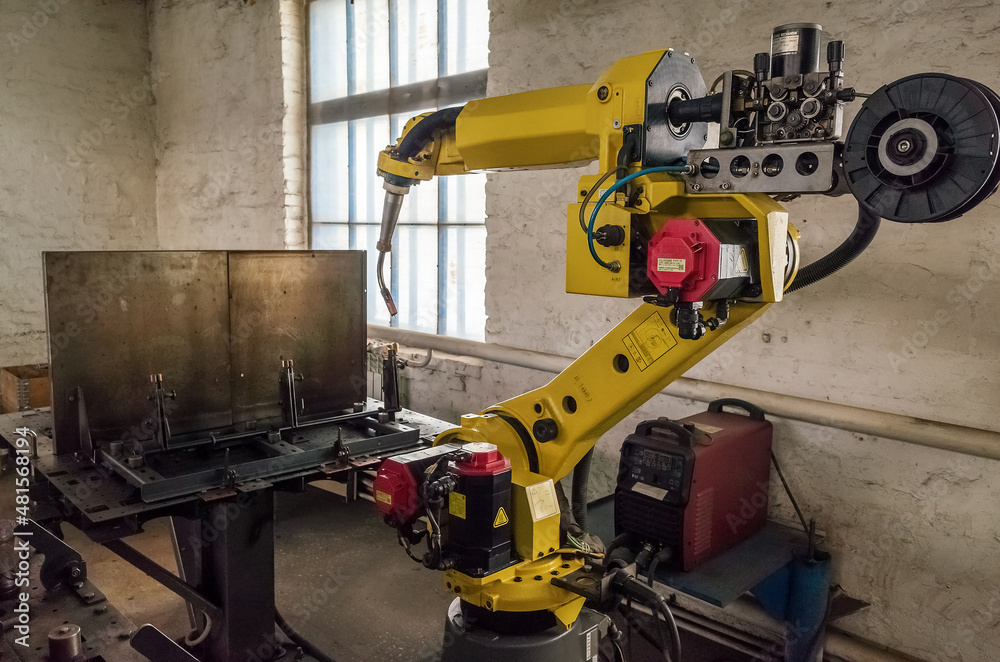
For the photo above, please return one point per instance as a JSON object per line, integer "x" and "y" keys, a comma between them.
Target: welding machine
{"x": 692, "y": 488}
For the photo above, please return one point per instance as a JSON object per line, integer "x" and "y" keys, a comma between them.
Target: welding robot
{"x": 685, "y": 214}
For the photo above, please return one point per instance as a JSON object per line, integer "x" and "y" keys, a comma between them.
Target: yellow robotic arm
{"x": 545, "y": 433}
{"x": 690, "y": 228}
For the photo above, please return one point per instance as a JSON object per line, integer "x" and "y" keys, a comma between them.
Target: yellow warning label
{"x": 707, "y": 429}
{"x": 677, "y": 265}
{"x": 500, "y": 519}
{"x": 649, "y": 341}
{"x": 542, "y": 499}
{"x": 744, "y": 264}
{"x": 456, "y": 505}
{"x": 384, "y": 497}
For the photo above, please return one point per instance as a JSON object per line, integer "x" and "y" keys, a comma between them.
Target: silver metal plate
{"x": 674, "y": 73}
{"x": 304, "y": 306}
{"x": 115, "y": 318}
{"x": 804, "y": 168}
{"x": 215, "y": 325}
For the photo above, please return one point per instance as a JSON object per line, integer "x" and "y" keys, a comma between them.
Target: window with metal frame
{"x": 374, "y": 64}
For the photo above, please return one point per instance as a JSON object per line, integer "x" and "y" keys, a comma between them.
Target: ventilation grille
{"x": 648, "y": 518}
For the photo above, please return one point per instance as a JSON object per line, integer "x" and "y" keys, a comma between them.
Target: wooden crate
{"x": 24, "y": 387}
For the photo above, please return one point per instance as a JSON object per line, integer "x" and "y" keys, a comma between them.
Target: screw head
{"x": 696, "y": 186}
{"x": 602, "y": 92}
{"x": 725, "y": 186}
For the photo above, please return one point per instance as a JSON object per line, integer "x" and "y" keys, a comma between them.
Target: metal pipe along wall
{"x": 923, "y": 432}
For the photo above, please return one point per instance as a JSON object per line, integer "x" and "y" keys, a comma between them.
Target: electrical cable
{"x": 616, "y": 266}
{"x": 307, "y": 646}
{"x": 859, "y": 239}
{"x": 627, "y": 584}
{"x": 675, "y": 636}
{"x": 660, "y": 557}
{"x": 788, "y": 491}
{"x": 406, "y": 547}
{"x": 635, "y": 626}
{"x": 590, "y": 194}
{"x": 192, "y": 642}
{"x": 581, "y": 482}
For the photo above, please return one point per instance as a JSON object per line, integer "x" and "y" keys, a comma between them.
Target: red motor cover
{"x": 483, "y": 460}
{"x": 684, "y": 255}
{"x": 397, "y": 488}
{"x": 396, "y": 492}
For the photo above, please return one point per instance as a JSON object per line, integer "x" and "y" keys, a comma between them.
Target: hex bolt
{"x": 725, "y": 186}
{"x": 696, "y": 186}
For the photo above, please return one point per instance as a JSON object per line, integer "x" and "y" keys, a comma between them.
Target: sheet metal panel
{"x": 308, "y": 306}
{"x": 115, "y": 318}
{"x": 215, "y": 324}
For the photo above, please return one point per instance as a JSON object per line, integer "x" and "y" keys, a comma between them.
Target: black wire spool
{"x": 924, "y": 149}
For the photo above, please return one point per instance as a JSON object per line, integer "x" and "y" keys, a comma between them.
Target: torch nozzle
{"x": 390, "y": 215}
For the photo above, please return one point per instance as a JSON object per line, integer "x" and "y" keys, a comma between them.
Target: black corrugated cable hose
{"x": 859, "y": 239}
{"x": 414, "y": 142}
{"x": 581, "y": 481}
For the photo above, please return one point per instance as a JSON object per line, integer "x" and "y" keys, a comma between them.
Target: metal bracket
{"x": 290, "y": 407}
{"x": 158, "y": 647}
{"x": 62, "y": 564}
{"x": 164, "y": 577}
{"x": 796, "y": 168}
{"x": 161, "y": 423}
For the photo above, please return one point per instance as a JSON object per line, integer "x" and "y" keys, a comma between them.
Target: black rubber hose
{"x": 414, "y": 142}
{"x": 581, "y": 482}
{"x": 859, "y": 239}
{"x": 307, "y": 646}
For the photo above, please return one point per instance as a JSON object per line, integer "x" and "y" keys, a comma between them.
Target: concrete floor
{"x": 341, "y": 579}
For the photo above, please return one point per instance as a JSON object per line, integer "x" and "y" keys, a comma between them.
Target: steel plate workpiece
{"x": 216, "y": 325}
{"x": 304, "y": 306}
{"x": 115, "y": 318}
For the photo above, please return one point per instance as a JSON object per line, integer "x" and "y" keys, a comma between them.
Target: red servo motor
{"x": 701, "y": 259}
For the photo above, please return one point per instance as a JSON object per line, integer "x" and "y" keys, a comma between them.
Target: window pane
{"x": 466, "y": 199}
{"x": 437, "y": 272}
{"x": 363, "y": 237}
{"x": 369, "y": 137}
{"x": 371, "y": 45}
{"x": 418, "y": 302}
{"x": 464, "y": 266}
{"x": 328, "y": 236}
{"x": 468, "y": 35}
{"x": 330, "y": 185}
{"x": 416, "y": 45}
{"x": 327, "y": 49}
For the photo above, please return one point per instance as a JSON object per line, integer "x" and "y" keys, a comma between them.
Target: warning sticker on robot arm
{"x": 649, "y": 341}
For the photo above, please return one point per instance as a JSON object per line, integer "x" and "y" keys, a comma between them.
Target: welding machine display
{"x": 695, "y": 486}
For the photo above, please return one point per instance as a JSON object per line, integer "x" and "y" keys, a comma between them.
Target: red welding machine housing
{"x": 698, "y": 485}
{"x": 702, "y": 259}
